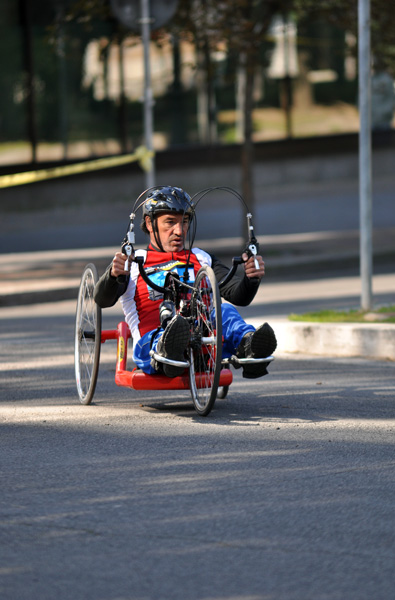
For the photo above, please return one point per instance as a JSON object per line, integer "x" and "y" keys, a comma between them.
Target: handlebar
{"x": 251, "y": 249}
{"x": 237, "y": 260}
{"x": 140, "y": 262}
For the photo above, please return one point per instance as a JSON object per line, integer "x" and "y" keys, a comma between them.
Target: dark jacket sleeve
{"x": 109, "y": 289}
{"x": 240, "y": 290}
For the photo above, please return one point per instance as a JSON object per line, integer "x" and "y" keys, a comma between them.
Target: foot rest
{"x": 168, "y": 361}
{"x": 237, "y": 363}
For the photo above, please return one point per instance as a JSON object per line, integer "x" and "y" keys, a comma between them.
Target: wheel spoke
{"x": 206, "y": 350}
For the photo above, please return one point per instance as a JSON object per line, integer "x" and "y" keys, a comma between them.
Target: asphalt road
{"x": 284, "y": 492}
{"x": 286, "y": 209}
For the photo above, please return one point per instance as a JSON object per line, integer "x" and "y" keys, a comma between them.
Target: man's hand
{"x": 118, "y": 264}
{"x": 249, "y": 266}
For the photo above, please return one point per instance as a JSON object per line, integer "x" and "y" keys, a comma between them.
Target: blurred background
{"x": 261, "y": 95}
{"x": 72, "y": 76}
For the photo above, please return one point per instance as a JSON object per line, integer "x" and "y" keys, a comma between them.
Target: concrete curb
{"x": 370, "y": 340}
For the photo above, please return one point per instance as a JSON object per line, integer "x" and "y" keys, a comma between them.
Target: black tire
{"x": 222, "y": 392}
{"x": 87, "y": 338}
{"x": 206, "y": 344}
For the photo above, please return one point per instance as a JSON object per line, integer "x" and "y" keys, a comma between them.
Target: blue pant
{"x": 234, "y": 329}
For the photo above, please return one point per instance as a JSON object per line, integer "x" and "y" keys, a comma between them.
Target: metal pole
{"x": 148, "y": 100}
{"x": 365, "y": 154}
{"x": 287, "y": 78}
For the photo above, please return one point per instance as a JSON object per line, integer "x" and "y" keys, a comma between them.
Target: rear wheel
{"x": 87, "y": 336}
{"x": 206, "y": 342}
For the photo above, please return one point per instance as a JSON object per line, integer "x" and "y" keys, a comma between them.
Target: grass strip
{"x": 384, "y": 314}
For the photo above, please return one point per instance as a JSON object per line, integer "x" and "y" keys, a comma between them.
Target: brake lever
{"x": 252, "y": 247}
{"x": 127, "y": 247}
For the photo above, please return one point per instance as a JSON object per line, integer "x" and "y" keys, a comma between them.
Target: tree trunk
{"x": 123, "y": 119}
{"x": 178, "y": 121}
{"x": 207, "y": 118}
{"x": 27, "y": 41}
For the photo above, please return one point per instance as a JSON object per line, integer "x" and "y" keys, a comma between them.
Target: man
{"x": 167, "y": 216}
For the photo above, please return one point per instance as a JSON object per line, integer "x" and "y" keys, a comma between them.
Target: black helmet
{"x": 166, "y": 199}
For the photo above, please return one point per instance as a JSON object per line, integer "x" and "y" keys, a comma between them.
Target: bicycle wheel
{"x": 87, "y": 336}
{"x": 206, "y": 341}
{"x": 222, "y": 392}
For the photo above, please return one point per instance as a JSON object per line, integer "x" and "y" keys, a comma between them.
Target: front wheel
{"x": 206, "y": 342}
{"x": 87, "y": 341}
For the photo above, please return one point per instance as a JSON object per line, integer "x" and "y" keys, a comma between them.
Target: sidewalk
{"x": 50, "y": 276}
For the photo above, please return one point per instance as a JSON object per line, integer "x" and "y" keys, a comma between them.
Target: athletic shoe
{"x": 257, "y": 344}
{"x": 173, "y": 344}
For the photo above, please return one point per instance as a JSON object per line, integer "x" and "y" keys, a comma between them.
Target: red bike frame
{"x": 138, "y": 380}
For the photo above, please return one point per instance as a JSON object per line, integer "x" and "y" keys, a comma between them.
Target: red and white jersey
{"x": 141, "y": 303}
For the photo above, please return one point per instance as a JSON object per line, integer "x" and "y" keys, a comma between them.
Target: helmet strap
{"x": 155, "y": 231}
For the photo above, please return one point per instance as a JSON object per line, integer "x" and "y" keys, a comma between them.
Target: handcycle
{"x": 206, "y": 374}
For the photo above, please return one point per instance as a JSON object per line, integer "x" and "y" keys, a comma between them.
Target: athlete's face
{"x": 172, "y": 230}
